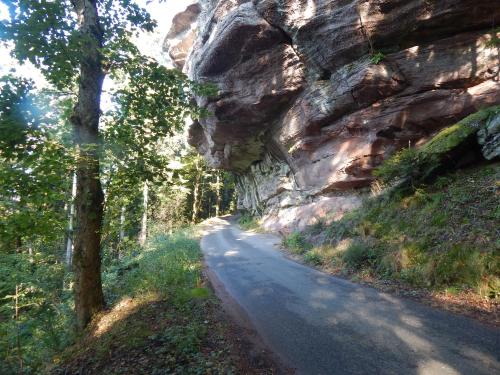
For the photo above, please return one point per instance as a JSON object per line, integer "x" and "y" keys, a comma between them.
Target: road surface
{"x": 319, "y": 324}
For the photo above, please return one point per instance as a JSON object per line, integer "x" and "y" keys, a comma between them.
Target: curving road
{"x": 319, "y": 324}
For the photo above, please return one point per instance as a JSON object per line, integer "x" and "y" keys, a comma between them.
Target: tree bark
{"x": 196, "y": 188}
{"x": 89, "y": 198}
{"x": 122, "y": 223}
{"x": 144, "y": 224}
{"x": 71, "y": 218}
{"x": 217, "y": 193}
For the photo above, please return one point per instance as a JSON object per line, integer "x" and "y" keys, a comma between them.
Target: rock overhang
{"x": 302, "y": 85}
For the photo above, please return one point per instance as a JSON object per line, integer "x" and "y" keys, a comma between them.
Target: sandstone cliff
{"x": 313, "y": 94}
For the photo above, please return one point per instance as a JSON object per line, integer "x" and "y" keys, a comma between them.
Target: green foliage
{"x": 296, "y": 243}
{"x": 45, "y": 33}
{"x": 248, "y": 222}
{"x": 420, "y": 237}
{"x": 313, "y": 258}
{"x": 44, "y": 321}
{"x": 461, "y": 265}
{"x": 169, "y": 266}
{"x": 377, "y": 57}
{"x": 495, "y": 39}
{"x": 440, "y": 236}
{"x": 161, "y": 313}
{"x": 408, "y": 165}
{"x": 359, "y": 255}
{"x": 34, "y": 164}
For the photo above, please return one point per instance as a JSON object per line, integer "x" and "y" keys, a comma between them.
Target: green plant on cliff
{"x": 494, "y": 40}
{"x": 377, "y": 57}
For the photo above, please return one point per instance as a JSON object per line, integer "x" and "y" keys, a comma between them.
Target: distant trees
{"x": 35, "y": 170}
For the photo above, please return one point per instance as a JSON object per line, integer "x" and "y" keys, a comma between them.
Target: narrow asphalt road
{"x": 319, "y": 324}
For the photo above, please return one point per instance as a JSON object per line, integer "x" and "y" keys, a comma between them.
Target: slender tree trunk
{"x": 196, "y": 189}
{"x": 144, "y": 224}
{"x": 18, "y": 331}
{"x": 217, "y": 194}
{"x": 89, "y": 198}
{"x": 122, "y": 223}
{"x": 69, "y": 243}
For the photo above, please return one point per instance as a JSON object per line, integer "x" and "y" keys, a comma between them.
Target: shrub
{"x": 359, "y": 255}
{"x": 248, "y": 222}
{"x": 377, "y": 57}
{"x": 313, "y": 257}
{"x": 296, "y": 243}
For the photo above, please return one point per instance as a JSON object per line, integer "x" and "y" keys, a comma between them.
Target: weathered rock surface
{"x": 182, "y": 34}
{"x": 305, "y": 111}
{"x": 489, "y": 138}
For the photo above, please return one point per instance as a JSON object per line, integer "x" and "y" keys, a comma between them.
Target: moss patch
{"x": 415, "y": 166}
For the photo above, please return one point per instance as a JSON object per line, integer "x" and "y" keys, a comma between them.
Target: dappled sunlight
{"x": 231, "y": 253}
{"x": 301, "y": 16}
{"x": 121, "y": 311}
{"x": 436, "y": 367}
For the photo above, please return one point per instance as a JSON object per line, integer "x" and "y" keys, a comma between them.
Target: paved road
{"x": 320, "y": 324}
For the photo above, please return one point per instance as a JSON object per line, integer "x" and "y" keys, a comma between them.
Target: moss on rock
{"x": 414, "y": 166}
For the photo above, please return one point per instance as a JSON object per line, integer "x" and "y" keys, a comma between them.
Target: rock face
{"x": 489, "y": 138}
{"x": 313, "y": 94}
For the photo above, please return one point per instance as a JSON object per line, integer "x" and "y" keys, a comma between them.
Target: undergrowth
{"x": 444, "y": 236}
{"x": 161, "y": 320}
{"x": 296, "y": 243}
{"x": 248, "y": 222}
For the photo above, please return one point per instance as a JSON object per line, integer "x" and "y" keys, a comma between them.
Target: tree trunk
{"x": 89, "y": 198}
{"x": 144, "y": 224}
{"x": 71, "y": 218}
{"x": 196, "y": 189}
{"x": 217, "y": 193}
{"x": 18, "y": 331}
{"x": 122, "y": 223}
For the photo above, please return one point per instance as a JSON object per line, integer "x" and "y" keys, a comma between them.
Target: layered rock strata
{"x": 314, "y": 94}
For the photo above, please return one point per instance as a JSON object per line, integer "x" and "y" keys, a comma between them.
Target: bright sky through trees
{"x": 148, "y": 43}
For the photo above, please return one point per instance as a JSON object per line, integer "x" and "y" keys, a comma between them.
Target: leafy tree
{"x": 33, "y": 157}
{"x": 75, "y": 44}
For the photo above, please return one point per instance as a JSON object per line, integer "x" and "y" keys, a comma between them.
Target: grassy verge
{"x": 248, "y": 222}
{"x": 164, "y": 319}
{"x": 442, "y": 237}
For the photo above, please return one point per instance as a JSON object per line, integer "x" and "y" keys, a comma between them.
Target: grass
{"x": 163, "y": 320}
{"x": 248, "y": 222}
{"x": 169, "y": 266}
{"x": 296, "y": 243}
